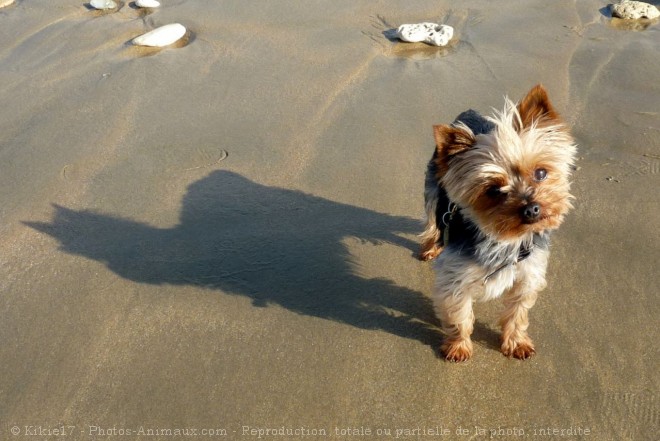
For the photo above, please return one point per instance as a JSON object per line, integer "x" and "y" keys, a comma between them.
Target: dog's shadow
{"x": 272, "y": 245}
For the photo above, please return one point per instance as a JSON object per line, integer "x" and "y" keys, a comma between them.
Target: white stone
{"x": 162, "y": 36}
{"x": 103, "y": 4}
{"x": 147, "y": 3}
{"x": 4, "y": 3}
{"x": 431, "y": 33}
{"x": 634, "y": 10}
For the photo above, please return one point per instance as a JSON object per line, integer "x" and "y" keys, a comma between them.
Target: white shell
{"x": 634, "y": 10}
{"x": 103, "y": 4}
{"x": 147, "y": 3}
{"x": 162, "y": 36}
{"x": 431, "y": 33}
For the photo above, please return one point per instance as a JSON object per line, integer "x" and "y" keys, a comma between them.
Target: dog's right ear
{"x": 450, "y": 141}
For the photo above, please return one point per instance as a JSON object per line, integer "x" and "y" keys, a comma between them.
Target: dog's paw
{"x": 457, "y": 351}
{"x": 521, "y": 350}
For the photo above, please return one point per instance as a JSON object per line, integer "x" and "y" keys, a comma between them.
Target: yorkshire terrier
{"x": 495, "y": 188}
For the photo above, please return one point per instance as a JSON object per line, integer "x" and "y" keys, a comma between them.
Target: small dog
{"x": 495, "y": 188}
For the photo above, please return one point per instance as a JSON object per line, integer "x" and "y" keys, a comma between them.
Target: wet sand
{"x": 221, "y": 235}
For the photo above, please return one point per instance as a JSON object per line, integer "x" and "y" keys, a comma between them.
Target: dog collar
{"x": 446, "y": 220}
{"x": 524, "y": 251}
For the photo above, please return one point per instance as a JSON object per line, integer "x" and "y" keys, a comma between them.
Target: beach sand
{"x": 221, "y": 235}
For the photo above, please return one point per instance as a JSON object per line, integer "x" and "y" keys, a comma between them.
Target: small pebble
{"x": 162, "y": 36}
{"x": 147, "y": 3}
{"x": 634, "y": 10}
{"x": 103, "y": 4}
{"x": 431, "y": 33}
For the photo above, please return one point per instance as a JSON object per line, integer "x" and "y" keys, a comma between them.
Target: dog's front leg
{"x": 455, "y": 313}
{"x": 515, "y": 321}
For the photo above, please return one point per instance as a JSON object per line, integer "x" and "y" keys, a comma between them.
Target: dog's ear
{"x": 450, "y": 141}
{"x": 536, "y": 108}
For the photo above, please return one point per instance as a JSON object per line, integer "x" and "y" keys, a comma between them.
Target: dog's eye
{"x": 494, "y": 191}
{"x": 540, "y": 174}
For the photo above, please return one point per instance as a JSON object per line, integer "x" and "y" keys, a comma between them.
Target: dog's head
{"x": 514, "y": 180}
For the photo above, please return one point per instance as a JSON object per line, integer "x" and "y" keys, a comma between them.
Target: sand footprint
{"x": 206, "y": 158}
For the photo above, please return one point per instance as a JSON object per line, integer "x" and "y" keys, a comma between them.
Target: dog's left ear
{"x": 536, "y": 108}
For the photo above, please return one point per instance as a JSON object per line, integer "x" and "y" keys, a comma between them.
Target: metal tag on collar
{"x": 451, "y": 209}
{"x": 446, "y": 220}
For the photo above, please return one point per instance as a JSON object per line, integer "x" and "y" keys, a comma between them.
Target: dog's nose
{"x": 531, "y": 212}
